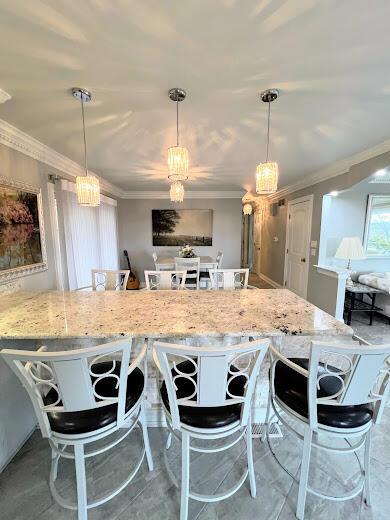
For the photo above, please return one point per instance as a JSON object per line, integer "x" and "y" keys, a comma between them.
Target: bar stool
{"x": 208, "y": 396}
{"x": 165, "y": 280}
{"x": 340, "y": 391}
{"x": 82, "y": 396}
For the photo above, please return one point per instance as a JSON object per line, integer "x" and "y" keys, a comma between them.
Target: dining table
{"x": 168, "y": 263}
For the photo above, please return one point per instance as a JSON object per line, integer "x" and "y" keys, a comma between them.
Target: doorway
{"x": 297, "y": 253}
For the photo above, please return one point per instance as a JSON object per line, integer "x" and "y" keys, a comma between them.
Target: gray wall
{"x": 17, "y": 418}
{"x": 135, "y": 230}
{"x": 272, "y": 253}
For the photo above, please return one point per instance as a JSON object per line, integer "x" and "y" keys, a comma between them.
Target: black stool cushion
{"x": 205, "y": 416}
{"x": 85, "y": 421}
{"x": 291, "y": 388}
{"x": 204, "y": 274}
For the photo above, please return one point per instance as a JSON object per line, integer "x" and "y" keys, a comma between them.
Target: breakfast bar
{"x": 62, "y": 320}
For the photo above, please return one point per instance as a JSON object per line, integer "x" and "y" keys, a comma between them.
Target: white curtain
{"x": 91, "y": 237}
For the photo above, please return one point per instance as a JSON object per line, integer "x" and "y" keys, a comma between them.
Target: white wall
{"x": 135, "y": 230}
{"x": 345, "y": 216}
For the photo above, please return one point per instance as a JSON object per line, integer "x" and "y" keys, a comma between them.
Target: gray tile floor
{"x": 25, "y": 495}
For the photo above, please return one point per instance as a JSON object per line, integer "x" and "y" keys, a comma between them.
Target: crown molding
{"x": 20, "y": 141}
{"x": 335, "y": 169}
{"x": 188, "y": 194}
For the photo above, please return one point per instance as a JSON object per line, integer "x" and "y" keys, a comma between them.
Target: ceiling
{"x": 330, "y": 60}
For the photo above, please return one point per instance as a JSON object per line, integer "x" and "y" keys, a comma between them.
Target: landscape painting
{"x": 21, "y": 249}
{"x": 173, "y": 227}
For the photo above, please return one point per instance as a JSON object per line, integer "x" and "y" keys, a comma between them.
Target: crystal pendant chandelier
{"x": 247, "y": 209}
{"x": 267, "y": 172}
{"x": 176, "y": 192}
{"x": 177, "y": 155}
{"x": 87, "y": 186}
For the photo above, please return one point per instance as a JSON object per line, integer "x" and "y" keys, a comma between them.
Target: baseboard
{"x": 270, "y": 282}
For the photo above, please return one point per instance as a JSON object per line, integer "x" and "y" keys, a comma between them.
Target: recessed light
{"x": 380, "y": 173}
{"x": 334, "y": 193}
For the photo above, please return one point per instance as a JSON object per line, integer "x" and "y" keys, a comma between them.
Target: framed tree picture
{"x": 22, "y": 236}
{"x": 180, "y": 227}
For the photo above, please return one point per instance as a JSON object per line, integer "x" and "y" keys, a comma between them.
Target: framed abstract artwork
{"x": 180, "y": 227}
{"x": 22, "y": 236}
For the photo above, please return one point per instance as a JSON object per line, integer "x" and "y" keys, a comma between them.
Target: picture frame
{"x": 180, "y": 227}
{"x": 22, "y": 233}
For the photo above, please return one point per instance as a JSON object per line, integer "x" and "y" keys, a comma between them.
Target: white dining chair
{"x": 226, "y": 279}
{"x": 109, "y": 280}
{"x": 338, "y": 394}
{"x": 218, "y": 259}
{"x": 82, "y": 396}
{"x": 165, "y": 280}
{"x": 208, "y": 395}
{"x": 154, "y": 258}
{"x": 192, "y": 268}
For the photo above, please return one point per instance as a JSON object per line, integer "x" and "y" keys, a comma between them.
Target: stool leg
{"x": 249, "y": 450}
{"x": 367, "y": 491}
{"x": 81, "y": 482}
{"x": 145, "y": 434}
{"x": 267, "y": 418}
{"x": 304, "y": 476}
{"x": 169, "y": 441}
{"x": 185, "y": 475}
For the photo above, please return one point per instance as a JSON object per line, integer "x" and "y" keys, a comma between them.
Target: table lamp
{"x": 350, "y": 248}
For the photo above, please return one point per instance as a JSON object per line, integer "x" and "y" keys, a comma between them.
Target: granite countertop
{"x": 154, "y": 314}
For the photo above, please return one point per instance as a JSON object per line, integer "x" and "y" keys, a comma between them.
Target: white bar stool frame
{"x": 165, "y": 280}
{"x": 365, "y": 379}
{"x": 69, "y": 374}
{"x": 213, "y": 369}
{"x": 229, "y": 279}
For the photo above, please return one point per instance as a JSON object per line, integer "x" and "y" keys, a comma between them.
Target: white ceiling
{"x": 330, "y": 59}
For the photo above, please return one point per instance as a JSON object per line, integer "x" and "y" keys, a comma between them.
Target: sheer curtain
{"x": 91, "y": 237}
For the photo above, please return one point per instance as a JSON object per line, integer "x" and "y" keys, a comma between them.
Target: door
{"x": 257, "y": 243}
{"x": 296, "y": 271}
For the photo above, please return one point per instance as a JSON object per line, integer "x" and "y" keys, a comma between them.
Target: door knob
{"x": 303, "y": 259}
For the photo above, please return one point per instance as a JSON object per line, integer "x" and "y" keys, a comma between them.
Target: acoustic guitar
{"x": 132, "y": 282}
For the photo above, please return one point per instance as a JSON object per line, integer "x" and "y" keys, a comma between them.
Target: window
{"x": 90, "y": 236}
{"x": 377, "y": 232}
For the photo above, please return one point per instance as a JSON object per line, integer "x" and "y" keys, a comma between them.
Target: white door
{"x": 257, "y": 243}
{"x": 296, "y": 272}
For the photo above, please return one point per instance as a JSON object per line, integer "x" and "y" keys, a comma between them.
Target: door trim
{"x": 310, "y": 199}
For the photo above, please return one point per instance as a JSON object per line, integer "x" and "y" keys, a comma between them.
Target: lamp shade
{"x": 351, "y": 248}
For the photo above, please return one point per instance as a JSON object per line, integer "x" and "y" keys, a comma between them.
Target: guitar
{"x": 132, "y": 282}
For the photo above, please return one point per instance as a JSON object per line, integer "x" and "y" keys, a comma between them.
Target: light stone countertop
{"x": 159, "y": 314}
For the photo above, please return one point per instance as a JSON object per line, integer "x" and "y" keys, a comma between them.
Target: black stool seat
{"x": 85, "y": 421}
{"x": 204, "y": 274}
{"x": 291, "y": 389}
{"x": 205, "y": 416}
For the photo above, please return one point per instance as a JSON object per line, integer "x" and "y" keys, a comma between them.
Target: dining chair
{"x": 109, "y": 280}
{"x": 154, "y": 258}
{"x": 338, "y": 394}
{"x": 165, "y": 280}
{"x": 192, "y": 268}
{"x": 229, "y": 278}
{"x": 208, "y": 395}
{"x": 218, "y": 259}
{"x": 83, "y": 396}
{"x": 204, "y": 277}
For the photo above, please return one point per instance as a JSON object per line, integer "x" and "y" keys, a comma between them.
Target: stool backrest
{"x": 165, "y": 280}
{"x": 229, "y": 278}
{"x": 361, "y": 372}
{"x": 72, "y": 378}
{"x": 213, "y": 374}
{"x": 189, "y": 264}
{"x": 108, "y": 280}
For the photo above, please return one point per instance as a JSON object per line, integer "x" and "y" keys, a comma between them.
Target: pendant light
{"x": 177, "y": 155}
{"x": 87, "y": 186}
{"x": 267, "y": 172}
{"x": 247, "y": 209}
{"x": 176, "y": 192}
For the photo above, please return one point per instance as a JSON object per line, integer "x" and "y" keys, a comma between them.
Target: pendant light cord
{"x": 177, "y": 121}
{"x": 269, "y": 116}
{"x": 85, "y": 141}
